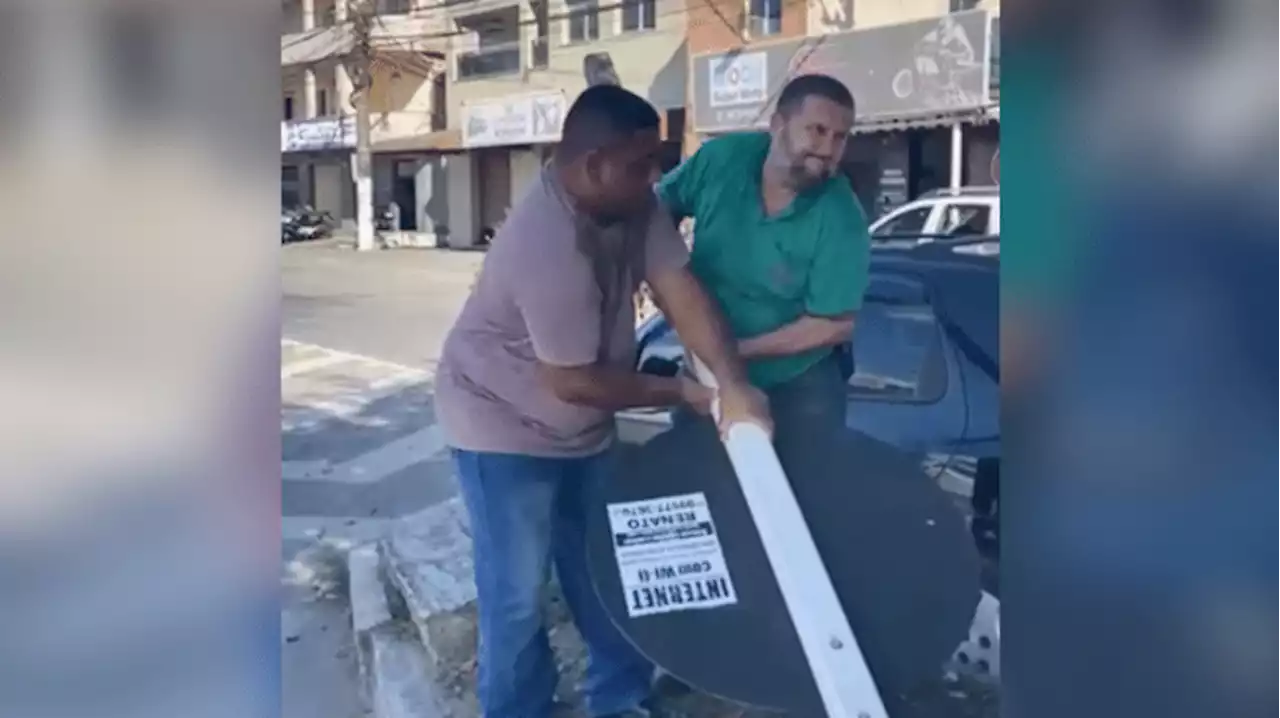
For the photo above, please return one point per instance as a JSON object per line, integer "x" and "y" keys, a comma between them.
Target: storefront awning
{"x": 911, "y": 74}
{"x": 438, "y": 141}
{"x": 897, "y": 124}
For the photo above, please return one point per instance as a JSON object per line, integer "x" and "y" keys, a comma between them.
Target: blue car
{"x": 925, "y": 358}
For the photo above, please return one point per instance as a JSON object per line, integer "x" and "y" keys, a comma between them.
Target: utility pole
{"x": 362, "y": 80}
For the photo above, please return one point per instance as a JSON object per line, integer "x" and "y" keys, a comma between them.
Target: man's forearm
{"x": 700, "y": 325}
{"x": 611, "y": 388}
{"x": 804, "y": 334}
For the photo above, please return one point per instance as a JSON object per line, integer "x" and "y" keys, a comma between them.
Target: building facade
{"x": 517, "y": 65}
{"x": 467, "y": 98}
{"x": 406, "y": 103}
{"x": 924, "y": 75}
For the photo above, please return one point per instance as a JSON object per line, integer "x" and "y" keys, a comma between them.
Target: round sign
{"x": 732, "y": 76}
{"x": 681, "y": 569}
{"x": 903, "y": 84}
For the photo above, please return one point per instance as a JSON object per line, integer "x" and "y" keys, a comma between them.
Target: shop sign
{"x": 894, "y": 71}
{"x": 329, "y": 133}
{"x": 525, "y": 120}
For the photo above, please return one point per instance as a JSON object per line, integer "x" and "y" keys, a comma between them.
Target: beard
{"x": 802, "y": 176}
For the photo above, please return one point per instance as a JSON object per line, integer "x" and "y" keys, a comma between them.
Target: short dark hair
{"x": 602, "y": 115}
{"x": 794, "y": 93}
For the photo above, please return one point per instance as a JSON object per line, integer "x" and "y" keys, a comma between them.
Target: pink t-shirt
{"x": 541, "y": 297}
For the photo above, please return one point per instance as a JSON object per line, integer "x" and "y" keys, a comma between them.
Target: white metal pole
{"x": 363, "y": 175}
{"x": 835, "y": 660}
{"x": 363, "y": 159}
{"x": 957, "y": 156}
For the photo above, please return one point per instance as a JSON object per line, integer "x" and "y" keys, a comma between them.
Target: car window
{"x": 897, "y": 346}
{"x": 962, "y": 220}
{"x": 909, "y": 222}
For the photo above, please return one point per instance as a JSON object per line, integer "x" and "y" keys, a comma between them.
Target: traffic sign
{"x": 894, "y": 545}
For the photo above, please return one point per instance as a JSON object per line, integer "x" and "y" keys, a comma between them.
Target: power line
{"x": 420, "y": 11}
{"x": 400, "y": 41}
{"x": 596, "y": 9}
{"x": 447, "y": 36}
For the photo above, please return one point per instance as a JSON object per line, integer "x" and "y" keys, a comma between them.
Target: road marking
{"x": 373, "y": 466}
{"x": 307, "y": 365}
{"x": 427, "y": 372}
{"x": 309, "y": 412}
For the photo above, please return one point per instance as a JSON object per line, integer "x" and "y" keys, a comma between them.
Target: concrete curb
{"x": 396, "y": 676}
{"x": 428, "y": 565}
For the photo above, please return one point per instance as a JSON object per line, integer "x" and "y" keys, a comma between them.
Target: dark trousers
{"x": 813, "y": 402}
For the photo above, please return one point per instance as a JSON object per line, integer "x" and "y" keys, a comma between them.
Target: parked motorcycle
{"x": 303, "y": 223}
{"x": 386, "y": 219}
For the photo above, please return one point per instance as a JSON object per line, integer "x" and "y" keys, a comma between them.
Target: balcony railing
{"x": 491, "y": 61}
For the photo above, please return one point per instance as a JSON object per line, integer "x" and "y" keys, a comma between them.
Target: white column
{"x": 308, "y": 15}
{"x": 340, "y": 11}
{"x": 343, "y": 88}
{"x": 310, "y": 103}
{"x": 461, "y": 194}
{"x": 957, "y": 155}
{"x": 423, "y": 188}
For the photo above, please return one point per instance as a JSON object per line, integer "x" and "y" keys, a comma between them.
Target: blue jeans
{"x": 527, "y": 512}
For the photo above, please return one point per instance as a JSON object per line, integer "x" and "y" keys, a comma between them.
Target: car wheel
{"x": 985, "y": 525}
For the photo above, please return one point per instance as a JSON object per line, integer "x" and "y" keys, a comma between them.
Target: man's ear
{"x": 776, "y": 121}
{"x": 593, "y": 165}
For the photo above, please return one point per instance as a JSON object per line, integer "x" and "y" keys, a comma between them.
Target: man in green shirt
{"x": 781, "y": 242}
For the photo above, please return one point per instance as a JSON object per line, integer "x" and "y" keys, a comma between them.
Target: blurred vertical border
{"x": 139, "y": 358}
{"x": 1140, "y": 235}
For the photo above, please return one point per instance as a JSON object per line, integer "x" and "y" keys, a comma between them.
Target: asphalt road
{"x": 395, "y": 305}
{"x": 360, "y": 337}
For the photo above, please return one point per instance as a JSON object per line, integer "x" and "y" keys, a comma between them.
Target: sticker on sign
{"x": 669, "y": 555}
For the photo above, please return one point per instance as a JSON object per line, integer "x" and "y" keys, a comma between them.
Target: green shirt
{"x": 766, "y": 272}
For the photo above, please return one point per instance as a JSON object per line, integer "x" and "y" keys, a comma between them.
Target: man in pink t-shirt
{"x": 531, "y": 374}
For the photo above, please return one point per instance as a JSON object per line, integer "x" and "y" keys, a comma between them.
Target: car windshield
{"x": 905, "y": 223}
